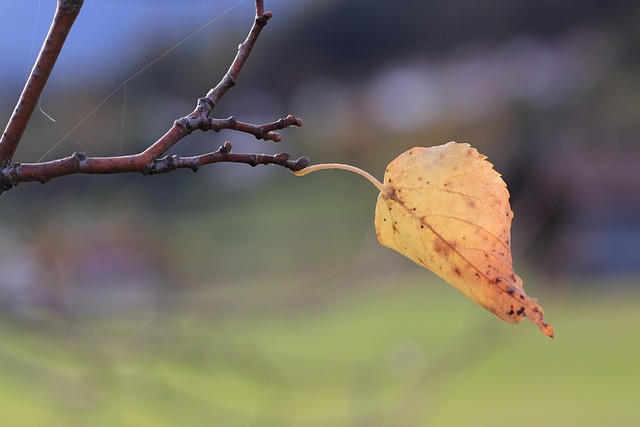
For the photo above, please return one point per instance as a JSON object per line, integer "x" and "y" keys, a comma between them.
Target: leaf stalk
{"x": 350, "y": 168}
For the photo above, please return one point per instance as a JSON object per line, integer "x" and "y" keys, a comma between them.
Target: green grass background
{"x": 289, "y": 313}
{"x": 407, "y": 354}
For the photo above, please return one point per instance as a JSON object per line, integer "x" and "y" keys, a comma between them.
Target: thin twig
{"x": 230, "y": 78}
{"x": 264, "y": 132}
{"x": 65, "y": 16}
{"x": 224, "y": 154}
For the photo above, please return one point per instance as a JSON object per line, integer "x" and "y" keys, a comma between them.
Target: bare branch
{"x": 65, "y": 16}
{"x": 149, "y": 161}
{"x": 79, "y": 162}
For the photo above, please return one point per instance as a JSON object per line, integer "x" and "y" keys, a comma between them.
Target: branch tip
{"x": 295, "y": 121}
{"x": 271, "y": 136}
{"x": 301, "y": 163}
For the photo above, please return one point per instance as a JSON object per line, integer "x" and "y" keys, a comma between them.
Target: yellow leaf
{"x": 447, "y": 209}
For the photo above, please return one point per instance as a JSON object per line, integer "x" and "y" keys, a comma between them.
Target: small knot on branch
{"x": 79, "y": 156}
{"x": 254, "y": 160}
{"x": 282, "y": 157}
{"x": 264, "y": 18}
{"x": 185, "y": 123}
{"x": 226, "y": 148}
{"x": 230, "y": 80}
{"x": 205, "y": 106}
{"x": 292, "y": 120}
{"x": 71, "y": 6}
{"x": 8, "y": 171}
{"x": 80, "y": 159}
{"x": 195, "y": 120}
{"x": 270, "y": 136}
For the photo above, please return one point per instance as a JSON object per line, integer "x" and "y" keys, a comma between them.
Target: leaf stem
{"x": 327, "y": 166}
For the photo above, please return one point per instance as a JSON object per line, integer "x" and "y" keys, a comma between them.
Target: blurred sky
{"x": 109, "y": 32}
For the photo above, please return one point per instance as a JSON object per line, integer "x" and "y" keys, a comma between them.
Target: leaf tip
{"x": 547, "y": 329}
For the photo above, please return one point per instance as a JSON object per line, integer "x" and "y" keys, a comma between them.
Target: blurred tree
{"x": 361, "y": 38}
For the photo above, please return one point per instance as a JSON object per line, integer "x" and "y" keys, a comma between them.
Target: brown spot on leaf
{"x": 441, "y": 247}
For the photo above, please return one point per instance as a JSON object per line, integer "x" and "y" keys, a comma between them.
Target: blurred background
{"x": 242, "y": 296}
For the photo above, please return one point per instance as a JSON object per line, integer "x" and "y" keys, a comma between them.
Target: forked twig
{"x": 148, "y": 161}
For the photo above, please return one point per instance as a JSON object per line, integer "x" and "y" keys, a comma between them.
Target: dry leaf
{"x": 447, "y": 209}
